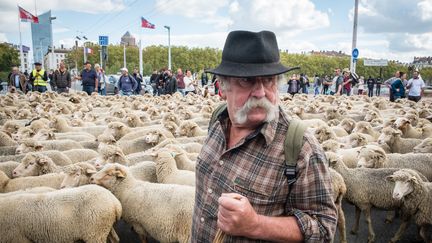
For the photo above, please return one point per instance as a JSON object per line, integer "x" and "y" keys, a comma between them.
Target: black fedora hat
{"x": 250, "y": 54}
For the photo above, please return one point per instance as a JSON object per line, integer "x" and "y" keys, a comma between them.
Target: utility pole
{"x": 52, "y": 46}
{"x": 354, "y": 40}
{"x": 169, "y": 46}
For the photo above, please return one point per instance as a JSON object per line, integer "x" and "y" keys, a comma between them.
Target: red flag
{"x": 26, "y": 16}
{"x": 146, "y": 24}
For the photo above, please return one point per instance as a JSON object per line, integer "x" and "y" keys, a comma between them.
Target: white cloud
{"x": 234, "y": 7}
{"x": 425, "y": 7}
{"x": 3, "y": 38}
{"x": 60, "y": 30}
{"x": 191, "y": 8}
{"x": 214, "y": 40}
{"x": 279, "y": 15}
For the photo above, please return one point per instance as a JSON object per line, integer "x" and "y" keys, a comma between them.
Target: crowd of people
{"x": 343, "y": 82}
{"x": 165, "y": 81}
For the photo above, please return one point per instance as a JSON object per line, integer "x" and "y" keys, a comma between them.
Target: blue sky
{"x": 392, "y": 29}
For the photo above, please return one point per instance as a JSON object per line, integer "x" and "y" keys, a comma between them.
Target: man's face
{"x": 15, "y": 70}
{"x": 62, "y": 65}
{"x": 38, "y": 67}
{"x": 179, "y": 72}
{"x": 124, "y": 73}
{"x": 397, "y": 74}
{"x": 188, "y": 73}
{"x": 251, "y": 101}
{"x": 135, "y": 70}
{"x": 337, "y": 71}
{"x": 88, "y": 66}
{"x": 415, "y": 75}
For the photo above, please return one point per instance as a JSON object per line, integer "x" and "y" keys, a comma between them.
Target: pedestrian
{"x": 389, "y": 83}
{"x": 241, "y": 188}
{"x": 180, "y": 82}
{"x": 171, "y": 83}
{"x": 346, "y": 85}
{"x": 17, "y": 80}
{"x": 153, "y": 81}
{"x": 139, "y": 78}
{"x": 304, "y": 83}
{"x": 101, "y": 79}
{"x": 416, "y": 87}
{"x": 326, "y": 83}
{"x": 361, "y": 86}
{"x": 89, "y": 79}
{"x": 317, "y": 85}
{"x": 39, "y": 78}
{"x": 204, "y": 78}
{"x": 378, "y": 87}
{"x": 126, "y": 83}
{"x": 293, "y": 85}
{"x": 336, "y": 83}
{"x": 61, "y": 81}
{"x": 397, "y": 88}
{"x": 370, "y": 85}
{"x": 161, "y": 82}
{"x": 189, "y": 83}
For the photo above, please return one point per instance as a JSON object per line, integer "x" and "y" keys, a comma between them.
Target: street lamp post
{"x": 124, "y": 53}
{"x": 52, "y": 46}
{"x": 169, "y": 46}
{"x": 354, "y": 40}
{"x": 84, "y": 48}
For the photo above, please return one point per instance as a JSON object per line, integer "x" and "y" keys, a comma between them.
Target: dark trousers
{"x": 414, "y": 98}
{"x": 89, "y": 89}
{"x": 370, "y": 92}
{"x": 378, "y": 91}
{"x": 62, "y": 90}
{"x": 392, "y": 98}
{"x": 39, "y": 88}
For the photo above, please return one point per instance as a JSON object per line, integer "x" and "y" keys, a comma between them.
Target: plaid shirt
{"x": 254, "y": 168}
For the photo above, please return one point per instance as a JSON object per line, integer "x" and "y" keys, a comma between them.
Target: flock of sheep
{"x": 71, "y": 165}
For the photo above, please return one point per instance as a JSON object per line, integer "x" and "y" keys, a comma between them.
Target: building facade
{"x": 128, "y": 39}
{"x": 27, "y": 65}
{"x": 51, "y": 62}
{"x": 41, "y": 36}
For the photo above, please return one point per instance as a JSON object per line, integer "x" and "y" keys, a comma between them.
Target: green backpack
{"x": 292, "y": 144}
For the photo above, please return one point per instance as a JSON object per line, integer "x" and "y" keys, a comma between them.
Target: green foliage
{"x": 8, "y": 57}
{"x": 198, "y": 59}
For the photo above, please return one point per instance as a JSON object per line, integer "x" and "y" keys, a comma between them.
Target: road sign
{"x": 376, "y": 62}
{"x": 103, "y": 40}
{"x": 355, "y": 53}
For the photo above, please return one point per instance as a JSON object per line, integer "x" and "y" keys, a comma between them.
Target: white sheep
{"x": 167, "y": 171}
{"x": 7, "y": 184}
{"x": 34, "y": 164}
{"x": 416, "y": 197}
{"x": 396, "y": 143}
{"x": 43, "y": 217}
{"x": 162, "y": 211}
{"x": 371, "y": 156}
{"x": 6, "y": 140}
{"x": 77, "y": 174}
{"x": 8, "y": 167}
{"x": 190, "y": 129}
{"x": 424, "y": 147}
{"x": 183, "y": 158}
{"x": 80, "y": 155}
{"x": 32, "y": 145}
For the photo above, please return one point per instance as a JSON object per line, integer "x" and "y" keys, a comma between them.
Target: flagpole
{"x": 140, "y": 57}
{"x": 21, "y": 48}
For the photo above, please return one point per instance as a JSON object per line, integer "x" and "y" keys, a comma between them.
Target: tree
{"x": 9, "y": 57}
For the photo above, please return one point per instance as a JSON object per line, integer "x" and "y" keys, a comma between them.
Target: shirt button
{"x": 210, "y": 190}
{"x": 202, "y": 220}
{"x": 221, "y": 162}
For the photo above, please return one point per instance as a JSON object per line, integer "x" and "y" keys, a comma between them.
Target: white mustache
{"x": 271, "y": 109}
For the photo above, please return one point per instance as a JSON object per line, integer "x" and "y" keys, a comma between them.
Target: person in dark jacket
{"x": 61, "y": 79}
{"x": 293, "y": 85}
{"x": 397, "y": 88}
{"x": 378, "y": 87}
{"x": 204, "y": 79}
{"x": 170, "y": 83}
{"x": 89, "y": 79}
{"x": 370, "y": 84}
{"x": 139, "y": 78}
{"x": 126, "y": 84}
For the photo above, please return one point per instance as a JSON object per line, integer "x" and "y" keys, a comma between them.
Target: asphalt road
{"x": 384, "y": 232}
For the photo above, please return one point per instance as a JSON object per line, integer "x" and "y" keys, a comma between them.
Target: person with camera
{"x": 171, "y": 83}
{"x": 39, "y": 78}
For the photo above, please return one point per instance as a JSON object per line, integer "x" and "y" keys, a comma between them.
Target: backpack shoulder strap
{"x": 216, "y": 113}
{"x": 292, "y": 146}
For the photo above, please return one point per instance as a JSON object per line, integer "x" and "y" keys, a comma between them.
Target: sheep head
{"x": 23, "y": 132}
{"x": 110, "y": 175}
{"x": 371, "y": 157}
{"x": 405, "y": 182}
{"x": 44, "y": 134}
{"x": 77, "y": 175}
{"x": 333, "y": 159}
{"x": 424, "y": 147}
{"x": 33, "y": 165}
{"x": 154, "y": 137}
{"x": 28, "y": 145}
{"x": 348, "y": 124}
{"x": 388, "y": 136}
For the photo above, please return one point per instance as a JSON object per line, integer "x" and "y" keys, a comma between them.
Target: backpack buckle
{"x": 290, "y": 173}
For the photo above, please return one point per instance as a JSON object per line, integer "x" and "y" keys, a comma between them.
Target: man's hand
{"x": 236, "y": 215}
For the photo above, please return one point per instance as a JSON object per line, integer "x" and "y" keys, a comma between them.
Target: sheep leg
{"x": 341, "y": 224}
{"x": 425, "y": 233}
{"x": 390, "y": 216}
{"x": 401, "y": 230}
{"x": 371, "y": 237}
{"x": 113, "y": 237}
{"x": 357, "y": 219}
